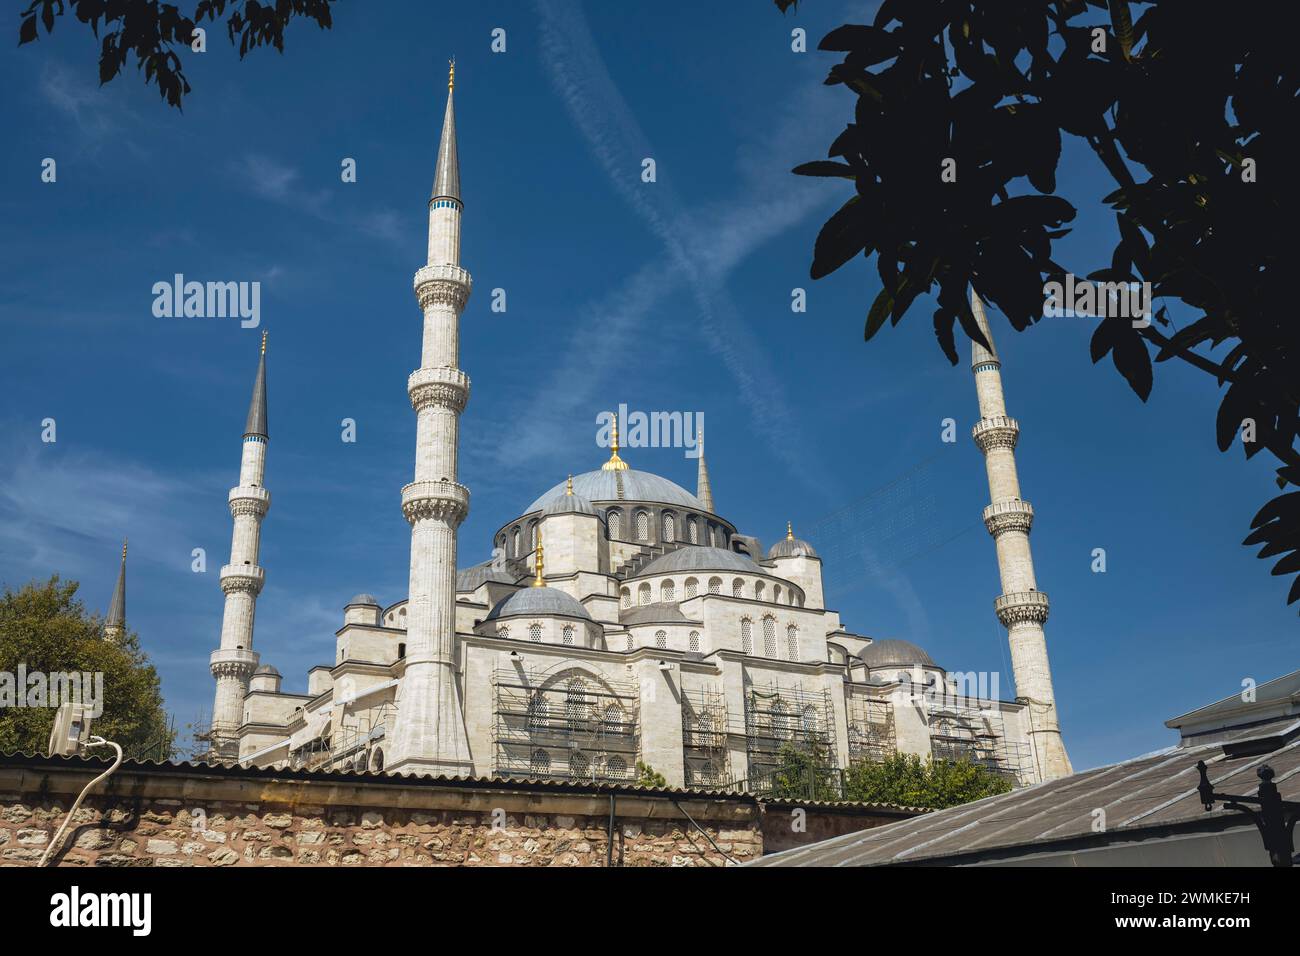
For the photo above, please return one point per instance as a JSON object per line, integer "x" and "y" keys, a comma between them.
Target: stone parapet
{"x": 999, "y": 431}
{"x": 1021, "y": 607}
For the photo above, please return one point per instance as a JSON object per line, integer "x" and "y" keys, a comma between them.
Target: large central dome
{"x": 627, "y": 485}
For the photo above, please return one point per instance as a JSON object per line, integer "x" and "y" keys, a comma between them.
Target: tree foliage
{"x": 1190, "y": 107}
{"x": 648, "y": 776}
{"x": 906, "y": 780}
{"x": 47, "y": 629}
{"x": 804, "y": 773}
{"x": 154, "y": 33}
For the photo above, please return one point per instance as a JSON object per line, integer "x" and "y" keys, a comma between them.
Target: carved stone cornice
{"x": 997, "y": 432}
{"x": 444, "y": 386}
{"x": 444, "y": 285}
{"x": 1021, "y": 607}
{"x": 236, "y": 663}
{"x": 1003, "y": 516}
{"x": 249, "y": 500}
{"x": 442, "y": 500}
{"x": 242, "y": 577}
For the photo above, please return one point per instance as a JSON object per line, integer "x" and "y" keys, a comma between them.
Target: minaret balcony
{"x": 443, "y": 385}
{"x": 996, "y": 432}
{"x": 1021, "y": 607}
{"x": 242, "y": 577}
{"x": 446, "y": 285}
{"x": 249, "y": 500}
{"x": 234, "y": 662}
{"x": 1014, "y": 514}
{"x": 442, "y": 500}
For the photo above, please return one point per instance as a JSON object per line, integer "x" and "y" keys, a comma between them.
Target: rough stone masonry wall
{"x": 149, "y": 818}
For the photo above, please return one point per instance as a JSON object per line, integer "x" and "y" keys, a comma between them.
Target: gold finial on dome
{"x": 615, "y": 463}
{"x": 451, "y": 74}
{"x": 568, "y": 486}
{"x": 539, "y": 581}
{"x": 789, "y": 531}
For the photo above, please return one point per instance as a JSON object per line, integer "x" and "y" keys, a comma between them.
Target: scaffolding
{"x": 574, "y": 728}
{"x": 962, "y": 732}
{"x": 872, "y": 738}
{"x": 349, "y": 746}
{"x": 791, "y": 731}
{"x": 704, "y": 739}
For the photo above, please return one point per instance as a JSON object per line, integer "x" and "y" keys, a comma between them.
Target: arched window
{"x": 532, "y": 535}
{"x": 616, "y": 768}
{"x": 746, "y": 635}
{"x": 776, "y": 594}
{"x": 759, "y": 588}
{"x": 576, "y": 706}
{"x": 769, "y": 636}
{"x": 809, "y": 719}
{"x": 693, "y": 531}
{"x": 780, "y": 720}
{"x": 614, "y": 520}
{"x": 568, "y": 634}
{"x": 695, "y": 641}
{"x": 514, "y": 543}
{"x": 670, "y": 527}
{"x": 629, "y": 640}
{"x": 503, "y": 630}
{"x": 536, "y": 712}
{"x": 540, "y": 765}
{"x": 715, "y": 585}
{"x": 692, "y": 588}
{"x": 661, "y": 639}
{"x": 738, "y": 588}
{"x": 535, "y": 633}
{"x": 642, "y": 526}
{"x": 643, "y": 595}
{"x": 625, "y": 597}
{"x": 578, "y": 765}
{"x": 667, "y": 592}
{"x": 612, "y": 721}
{"x": 792, "y": 642}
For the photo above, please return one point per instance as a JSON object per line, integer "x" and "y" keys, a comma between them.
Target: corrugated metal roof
{"x": 1156, "y": 790}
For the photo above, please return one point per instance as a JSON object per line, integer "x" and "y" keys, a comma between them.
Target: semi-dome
{"x": 539, "y": 601}
{"x": 894, "y": 653}
{"x": 470, "y": 579}
{"x": 624, "y": 485}
{"x": 700, "y": 558}
{"x": 568, "y": 502}
{"x": 369, "y": 599}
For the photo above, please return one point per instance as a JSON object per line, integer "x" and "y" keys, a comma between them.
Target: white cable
{"x": 94, "y": 742}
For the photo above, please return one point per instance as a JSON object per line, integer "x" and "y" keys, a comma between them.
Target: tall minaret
{"x": 703, "y": 490}
{"x": 115, "y": 622}
{"x": 1021, "y": 607}
{"x": 430, "y": 732}
{"x": 234, "y": 662}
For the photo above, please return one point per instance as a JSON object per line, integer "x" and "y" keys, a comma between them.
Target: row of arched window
{"x": 668, "y": 594}
{"x": 771, "y": 647}
{"x": 579, "y": 766}
{"x": 568, "y": 634}
{"x": 522, "y": 539}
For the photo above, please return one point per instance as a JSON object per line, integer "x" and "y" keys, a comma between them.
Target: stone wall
{"x": 196, "y": 815}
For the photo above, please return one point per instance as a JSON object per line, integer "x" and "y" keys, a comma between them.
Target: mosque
{"x": 622, "y": 621}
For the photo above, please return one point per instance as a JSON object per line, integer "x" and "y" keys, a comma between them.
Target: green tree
{"x": 908, "y": 781}
{"x": 1191, "y": 109}
{"x": 805, "y": 773}
{"x": 154, "y": 32}
{"x": 647, "y": 776}
{"x": 47, "y": 629}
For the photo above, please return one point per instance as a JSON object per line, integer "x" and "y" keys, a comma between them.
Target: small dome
{"x": 791, "y": 548}
{"x": 892, "y": 653}
{"x": 539, "y": 601}
{"x": 470, "y": 579}
{"x": 700, "y": 558}
{"x": 369, "y": 599}
{"x": 266, "y": 670}
{"x": 568, "y": 504}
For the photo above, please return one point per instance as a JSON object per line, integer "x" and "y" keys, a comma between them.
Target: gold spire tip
{"x": 615, "y": 463}
{"x": 540, "y": 580}
{"x": 568, "y": 486}
{"x": 789, "y": 531}
{"x": 124, "y": 548}
{"x": 451, "y": 74}
{"x": 263, "y": 342}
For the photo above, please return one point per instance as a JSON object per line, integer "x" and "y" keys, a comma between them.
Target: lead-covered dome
{"x": 364, "y": 599}
{"x": 895, "y": 653}
{"x": 539, "y": 601}
{"x": 700, "y": 558}
{"x": 568, "y": 504}
{"x": 623, "y": 485}
{"x": 471, "y": 578}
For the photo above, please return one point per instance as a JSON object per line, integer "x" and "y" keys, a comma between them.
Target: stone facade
{"x": 198, "y": 815}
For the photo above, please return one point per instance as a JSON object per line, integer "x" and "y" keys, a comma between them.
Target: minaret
{"x": 430, "y": 733}
{"x": 703, "y": 490}
{"x": 115, "y": 622}
{"x": 241, "y": 580}
{"x": 1021, "y": 607}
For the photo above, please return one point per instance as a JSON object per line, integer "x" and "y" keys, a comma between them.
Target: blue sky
{"x": 668, "y": 296}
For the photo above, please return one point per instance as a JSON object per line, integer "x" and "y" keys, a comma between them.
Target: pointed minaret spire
{"x": 615, "y": 463}
{"x": 234, "y": 661}
{"x": 1021, "y": 607}
{"x": 115, "y": 622}
{"x": 703, "y": 490}
{"x": 430, "y": 734}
